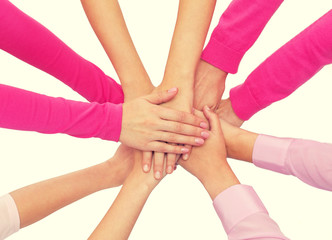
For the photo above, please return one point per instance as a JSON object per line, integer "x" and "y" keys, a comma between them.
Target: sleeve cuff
{"x": 9, "y": 217}
{"x": 271, "y": 153}
{"x": 221, "y": 56}
{"x": 243, "y": 103}
{"x": 235, "y": 204}
{"x": 112, "y": 125}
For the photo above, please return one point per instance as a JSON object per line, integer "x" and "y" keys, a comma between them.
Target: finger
{"x": 178, "y": 138}
{"x": 184, "y": 129}
{"x": 213, "y": 119}
{"x": 170, "y": 162}
{"x": 167, "y": 148}
{"x": 186, "y": 155}
{"x": 162, "y": 96}
{"x": 146, "y": 161}
{"x": 183, "y": 117}
{"x": 158, "y": 166}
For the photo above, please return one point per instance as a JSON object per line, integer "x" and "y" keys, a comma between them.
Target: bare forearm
{"x": 122, "y": 216}
{"x": 106, "y": 19}
{"x": 39, "y": 200}
{"x": 194, "y": 17}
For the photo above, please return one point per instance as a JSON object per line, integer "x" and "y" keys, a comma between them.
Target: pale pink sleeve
{"x": 244, "y": 216}
{"x": 9, "y": 217}
{"x": 238, "y": 29}
{"x": 285, "y": 70}
{"x": 28, "y": 40}
{"x": 29, "y": 111}
{"x": 307, "y": 160}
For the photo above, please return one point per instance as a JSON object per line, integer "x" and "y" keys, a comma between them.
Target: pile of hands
{"x": 169, "y": 127}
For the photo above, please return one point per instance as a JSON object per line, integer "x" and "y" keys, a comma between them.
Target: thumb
{"x": 213, "y": 119}
{"x": 160, "y": 97}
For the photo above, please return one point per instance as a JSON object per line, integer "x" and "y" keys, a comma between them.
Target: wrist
{"x": 217, "y": 181}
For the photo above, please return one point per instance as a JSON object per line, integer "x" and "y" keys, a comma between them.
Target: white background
{"x": 179, "y": 208}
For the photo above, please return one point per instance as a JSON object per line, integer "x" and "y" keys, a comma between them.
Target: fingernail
{"x": 169, "y": 169}
{"x": 199, "y": 140}
{"x": 185, "y": 157}
{"x": 174, "y": 89}
{"x": 203, "y": 125}
{"x": 205, "y": 135}
{"x": 157, "y": 175}
{"x": 146, "y": 168}
{"x": 207, "y": 107}
{"x": 184, "y": 150}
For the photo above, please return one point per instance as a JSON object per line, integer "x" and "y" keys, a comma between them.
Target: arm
{"x": 238, "y": 29}
{"x": 242, "y": 213}
{"x": 33, "y": 203}
{"x": 307, "y": 160}
{"x": 51, "y": 55}
{"x": 285, "y": 70}
{"x": 107, "y": 21}
{"x": 124, "y": 212}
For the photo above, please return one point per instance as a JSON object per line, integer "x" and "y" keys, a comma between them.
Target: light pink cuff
{"x": 235, "y": 204}
{"x": 9, "y": 217}
{"x": 271, "y": 153}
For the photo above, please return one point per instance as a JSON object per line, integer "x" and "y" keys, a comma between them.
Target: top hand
{"x": 145, "y": 125}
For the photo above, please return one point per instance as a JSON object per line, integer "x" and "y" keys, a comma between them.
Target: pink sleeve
{"x": 244, "y": 216}
{"x": 24, "y": 110}
{"x": 307, "y": 160}
{"x": 9, "y": 217}
{"x": 285, "y": 70}
{"x": 238, "y": 29}
{"x": 28, "y": 40}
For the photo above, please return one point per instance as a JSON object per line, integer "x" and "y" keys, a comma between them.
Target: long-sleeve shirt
{"x": 286, "y": 69}
{"x": 238, "y": 29}
{"x": 26, "y": 39}
{"x": 9, "y": 217}
{"x": 307, "y": 160}
{"x": 244, "y": 216}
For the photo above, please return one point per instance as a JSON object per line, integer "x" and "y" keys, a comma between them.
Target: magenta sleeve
{"x": 238, "y": 29}
{"x": 307, "y": 160}
{"x": 29, "y": 111}
{"x": 244, "y": 216}
{"x": 285, "y": 70}
{"x": 26, "y": 39}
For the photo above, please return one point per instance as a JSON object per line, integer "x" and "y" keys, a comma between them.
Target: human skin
{"x": 36, "y": 201}
{"x": 193, "y": 21}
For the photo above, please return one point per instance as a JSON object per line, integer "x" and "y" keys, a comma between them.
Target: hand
{"x": 226, "y": 112}
{"x": 145, "y": 124}
{"x": 209, "y": 86}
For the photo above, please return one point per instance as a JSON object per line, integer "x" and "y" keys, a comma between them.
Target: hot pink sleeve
{"x": 244, "y": 216}
{"x": 285, "y": 70}
{"x": 28, "y": 40}
{"x": 29, "y": 111}
{"x": 238, "y": 29}
{"x": 307, "y": 160}
{"x": 9, "y": 217}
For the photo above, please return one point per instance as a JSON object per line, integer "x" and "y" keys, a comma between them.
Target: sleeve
{"x": 29, "y": 111}
{"x": 285, "y": 70}
{"x": 28, "y": 40}
{"x": 238, "y": 29}
{"x": 244, "y": 216}
{"x": 9, "y": 217}
{"x": 307, "y": 160}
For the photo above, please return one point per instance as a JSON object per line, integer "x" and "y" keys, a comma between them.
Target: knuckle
{"x": 178, "y": 127}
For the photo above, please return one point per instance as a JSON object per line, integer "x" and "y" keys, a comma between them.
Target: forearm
{"x": 39, "y": 200}
{"x": 194, "y": 17}
{"x": 123, "y": 214}
{"x": 106, "y": 19}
